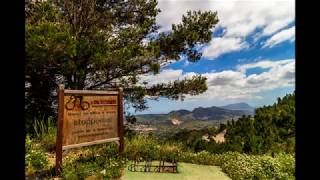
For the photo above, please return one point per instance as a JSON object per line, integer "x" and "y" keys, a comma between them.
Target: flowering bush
{"x": 243, "y": 166}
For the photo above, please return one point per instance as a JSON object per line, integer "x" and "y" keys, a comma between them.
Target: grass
{"x": 45, "y": 133}
{"x": 187, "y": 171}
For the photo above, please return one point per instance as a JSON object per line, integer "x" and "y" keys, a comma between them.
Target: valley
{"x": 198, "y": 118}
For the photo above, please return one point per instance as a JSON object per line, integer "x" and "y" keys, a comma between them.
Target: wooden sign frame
{"x": 61, "y": 108}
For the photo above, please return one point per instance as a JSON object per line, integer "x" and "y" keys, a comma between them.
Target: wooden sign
{"x": 88, "y": 117}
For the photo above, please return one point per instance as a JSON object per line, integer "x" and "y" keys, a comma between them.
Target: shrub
{"x": 202, "y": 157}
{"x": 146, "y": 147}
{"x": 169, "y": 152}
{"x": 143, "y": 147}
{"x": 287, "y": 168}
{"x": 35, "y": 158}
{"x": 102, "y": 162}
{"x": 243, "y": 166}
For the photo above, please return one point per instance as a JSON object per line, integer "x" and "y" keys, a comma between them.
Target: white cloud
{"x": 163, "y": 77}
{"x": 225, "y": 78}
{"x": 236, "y": 85}
{"x": 284, "y": 35}
{"x": 172, "y": 11}
{"x": 166, "y": 76}
{"x": 186, "y": 63}
{"x": 263, "y": 64}
{"x": 238, "y": 18}
{"x": 220, "y": 46}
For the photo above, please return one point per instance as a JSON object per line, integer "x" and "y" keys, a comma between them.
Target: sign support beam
{"x": 120, "y": 122}
{"x": 59, "y": 131}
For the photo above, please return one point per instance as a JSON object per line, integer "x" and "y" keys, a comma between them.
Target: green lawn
{"x": 186, "y": 172}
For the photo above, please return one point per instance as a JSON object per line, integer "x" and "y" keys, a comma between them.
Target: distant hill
{"x": 198, "y": 117}
{"x": 216, "y": 113}
{"x": 239, "y": 106}
{"x": 179, "y": 112}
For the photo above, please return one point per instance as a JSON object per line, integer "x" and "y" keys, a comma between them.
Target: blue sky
{"x": 251, "y": 57}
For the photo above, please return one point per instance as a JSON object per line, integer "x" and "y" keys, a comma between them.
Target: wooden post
{"x": 59, "y": 130}
{"x": 120, "y": 122}
{"x": 176, "y": 163}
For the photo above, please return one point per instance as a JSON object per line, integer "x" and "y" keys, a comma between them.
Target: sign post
{"x": 59, "y": 130}
{"x": 88, "y": 117}
{"x": 121, "y": 127}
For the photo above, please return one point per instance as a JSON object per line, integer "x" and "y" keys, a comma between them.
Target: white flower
{"x": 103, "y": 171}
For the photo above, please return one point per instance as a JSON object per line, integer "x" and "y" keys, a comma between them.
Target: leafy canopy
{"x": 271, "y": 129}
{"x": 97, "y": 44}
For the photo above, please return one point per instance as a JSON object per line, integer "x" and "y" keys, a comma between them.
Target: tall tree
{"x": 95, "y": 44}
{"x": 272, "y": 129}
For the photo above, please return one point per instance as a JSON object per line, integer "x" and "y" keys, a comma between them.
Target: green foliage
{"x": 49, "y": 45}
{"x": 45, "y": 133}
{"x": 169, "y": 151}
{"x": 263, "y": 146}
{"x": 194, "y": 30}
{"x": 244, "y": 166}
{"x": 102, "y": 162}
{"x": 141, "y": 147}
{"x": 177, "y": 88}
{"x": 93, "y": 44}
{"x": 192, "y": 139}
{"x": 145, "y": 147}
{"x": 236, "y": 165}
{"x": 287, "y": 162}
{"x": 35, "y": 157}
{"x": 202, "y": 157}
{"x": 272, "y": 129}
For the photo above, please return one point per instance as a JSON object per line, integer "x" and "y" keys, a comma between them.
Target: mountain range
{"x": 200, "y": 114}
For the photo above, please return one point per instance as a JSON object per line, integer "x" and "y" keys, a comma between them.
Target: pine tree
{"x": 97, "y": 44}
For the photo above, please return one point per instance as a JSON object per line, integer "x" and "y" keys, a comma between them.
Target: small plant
{"x": 202, "y": 157}
{"x": 35, "y": 158}
{"x": 169, "y": 152}
{"x": 143, "y": 147}
{"x": 102, "y": 162}
{"x": 45, "y": 133}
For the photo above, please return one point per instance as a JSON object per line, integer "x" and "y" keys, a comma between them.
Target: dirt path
{"x": 219, "y": 138}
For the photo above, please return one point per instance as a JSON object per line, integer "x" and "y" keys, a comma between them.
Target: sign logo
{"x": 77, "y": 101}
